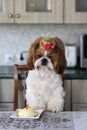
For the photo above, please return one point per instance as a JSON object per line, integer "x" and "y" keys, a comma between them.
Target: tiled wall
{"x": 16, "y": 38}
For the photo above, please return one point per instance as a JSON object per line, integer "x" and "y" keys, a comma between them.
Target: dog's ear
{"x": 30, "y": 58}
{"x": 61, "y": 61}
{"x": 31, "y": 52}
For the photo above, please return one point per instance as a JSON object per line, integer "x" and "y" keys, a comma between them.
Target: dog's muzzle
{"x": 44, "y": 61}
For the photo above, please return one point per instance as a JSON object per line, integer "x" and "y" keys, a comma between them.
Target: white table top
{"x": 48, "y": 121}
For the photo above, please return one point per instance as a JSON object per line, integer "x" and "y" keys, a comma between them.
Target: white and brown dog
{"x": 46, "y": 61}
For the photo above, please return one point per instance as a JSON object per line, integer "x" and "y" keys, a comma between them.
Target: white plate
{"x": 15, "y": 115}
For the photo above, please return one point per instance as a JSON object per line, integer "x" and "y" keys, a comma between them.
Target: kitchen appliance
{"x": 83, "y": 51}
{"x": 71, "y": 55}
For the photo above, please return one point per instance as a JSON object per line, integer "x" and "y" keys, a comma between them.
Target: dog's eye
{"x": 38, "y": 56}
{"x": 50, "y": 57}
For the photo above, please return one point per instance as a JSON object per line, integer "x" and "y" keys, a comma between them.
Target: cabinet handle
{"x": 10, "y": 15}
{"x": 21, "y": 88}
{"x": 17, "y": 15}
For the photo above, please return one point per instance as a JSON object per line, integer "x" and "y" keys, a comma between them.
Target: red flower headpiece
{"x": 47, "y": 43}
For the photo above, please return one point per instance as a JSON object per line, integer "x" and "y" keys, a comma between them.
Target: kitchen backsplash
{"x": 15, "y": 39}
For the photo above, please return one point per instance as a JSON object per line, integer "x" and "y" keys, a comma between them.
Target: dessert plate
{"x": 14, "y": 115}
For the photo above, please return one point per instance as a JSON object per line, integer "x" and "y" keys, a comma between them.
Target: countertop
{"x": 7, "y": 72}
{"x": 48, "y": 120}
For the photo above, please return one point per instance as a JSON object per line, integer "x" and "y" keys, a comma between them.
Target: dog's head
{"x": 47, "y": 52}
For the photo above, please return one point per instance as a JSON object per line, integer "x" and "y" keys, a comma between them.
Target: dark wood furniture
{"x": 17, "y": 68}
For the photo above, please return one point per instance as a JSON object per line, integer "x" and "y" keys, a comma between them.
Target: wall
{"x": 16, "y": 38}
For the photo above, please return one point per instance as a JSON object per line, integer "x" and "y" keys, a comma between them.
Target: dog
{"x": 47, "y": 62}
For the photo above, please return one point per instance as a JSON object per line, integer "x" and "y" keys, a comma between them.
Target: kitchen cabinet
{"x": 54, "y": 15}
{"x": 79, "y": 95}
{"x": 26, "y": 11}
{"x": 68, "y": 91}
{"x": 47, "y": 11}
{"x": 6, "y": 11}
{"x": 79, "y": 107}
{"x": 7, "y": 94}
{"x": 76, "y": 95}
{"x": 75, "y": 11}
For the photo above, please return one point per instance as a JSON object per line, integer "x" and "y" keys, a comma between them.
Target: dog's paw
{"x": 56, "y": 105}
{"x": 37, "y": 104}
{"x": 54, "y": 108}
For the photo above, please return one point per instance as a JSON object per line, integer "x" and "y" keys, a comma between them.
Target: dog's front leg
{"x": 35, "y": 101}
{"x": 56, "y": 101}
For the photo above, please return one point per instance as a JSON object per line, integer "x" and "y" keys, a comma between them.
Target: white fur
{"x": 44, "y": 89}
{"x": 48, "y": 66}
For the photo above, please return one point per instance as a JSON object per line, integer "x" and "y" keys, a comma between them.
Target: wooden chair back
{"x": 17, "y": 68}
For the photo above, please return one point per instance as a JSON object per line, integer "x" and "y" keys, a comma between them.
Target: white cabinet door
{"x": 6, "y": 90}
{"x": 79, "y": 107}
{"x": 52, "y": 14}
{"x": 6, "y": 106}
{"x": 6, "y": 11}
{"x": 6, "y": 94}
{"x": 73, "y": 16}
{"x": 67, "y": 88}
{"x": 79, "y": 91}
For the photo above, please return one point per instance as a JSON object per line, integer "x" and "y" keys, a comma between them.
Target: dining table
{"x": 65, "y": 120}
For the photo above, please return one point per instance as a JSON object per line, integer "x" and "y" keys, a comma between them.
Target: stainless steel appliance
{"x": 83, "y": 51}
{"x": 71, "y": 55}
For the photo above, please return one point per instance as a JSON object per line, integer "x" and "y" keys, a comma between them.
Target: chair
{"x": 18, "y": 68}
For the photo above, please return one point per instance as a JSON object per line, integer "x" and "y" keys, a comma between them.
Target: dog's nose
{"x": 44, "y": 61}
